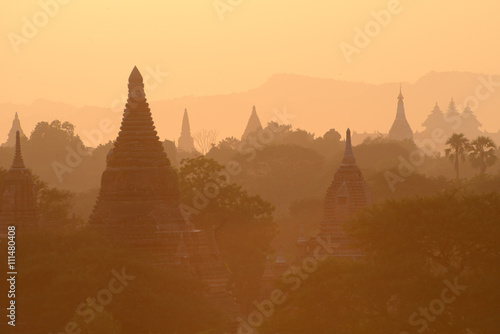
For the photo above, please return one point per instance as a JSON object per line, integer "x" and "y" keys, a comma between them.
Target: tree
{"x": 205, "y": 139}
{"x": 230, "y": 143}
{"x": 482, "y": 153}
{"x": 415, "y": 249}
{"x": 64, "y": 269}
{"x": 458, "y": 148}
{"x": 225, "y": 150}
{"x": 243, "y": 224}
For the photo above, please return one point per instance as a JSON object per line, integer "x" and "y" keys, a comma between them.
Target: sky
{"x": 83, "y": 51}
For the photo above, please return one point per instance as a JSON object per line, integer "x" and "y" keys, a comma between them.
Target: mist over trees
{"x": 420, "y": 233}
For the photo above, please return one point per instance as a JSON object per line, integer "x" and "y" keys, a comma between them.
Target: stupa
{"x": 138, "y": 203}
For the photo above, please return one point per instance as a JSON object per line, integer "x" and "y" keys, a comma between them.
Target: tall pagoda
{"x": 435, "y": 120}
{"x": 253, "y": 124}
{"x": 16, "y": 127}
{"x": 138, "y": 203}
{"x": 470, "y": 124}
{"x": 186, "y": 141}
{"x": 18, "y": 202}
{"x": 347, "y": 195}
{"x": 400, "y": 129}
{"x": 452, "y": 109}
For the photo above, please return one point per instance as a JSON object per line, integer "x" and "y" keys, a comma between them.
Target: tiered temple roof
{"x": 470, "y": 124}
{"x": 18, "y": 202}
{"x": 138, "y": 203}
{"x": 434, "y": 120}
{"x": 400, "y": 129}
{"x": 452, "y": 109}
{"x": 272, "y": 273}
{"x": 16, "y": 127}
{"x": 347, "y": 195}
{"x": 253, "y": 124}
{"x": 186, "y": 141}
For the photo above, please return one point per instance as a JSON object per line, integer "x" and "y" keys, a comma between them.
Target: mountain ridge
{"x": 316, "y": 104}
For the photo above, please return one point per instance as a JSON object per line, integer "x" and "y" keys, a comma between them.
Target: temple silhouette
{"x": 347, "y": 195}
{"x": 18, "y": 203}
{"x": 186, "y": 141}
{"x": 138, "y": 202}
{"x": 400, "y": 129}
{"x": 16, "y": 127}
{"x": 253, "y": 124}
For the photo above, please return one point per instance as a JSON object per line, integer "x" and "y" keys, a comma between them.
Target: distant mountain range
{"x": 313, "y": 104}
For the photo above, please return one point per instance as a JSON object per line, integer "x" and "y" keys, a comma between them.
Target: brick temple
{"x": 138, "y": 203}
{"x": 18, "y": 202}
{"x": 347, "y": 195}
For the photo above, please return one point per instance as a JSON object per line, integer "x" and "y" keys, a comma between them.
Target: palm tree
{"x": 458, "y": 148}
{"x": 482, "y": 153}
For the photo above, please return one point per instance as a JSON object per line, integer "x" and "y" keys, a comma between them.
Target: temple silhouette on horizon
{"x": 18, "y": 202}
{"x": 400, "y": 129}
{"x": 347, "y": 195}
{"x": 139, "y": 198}
{"x": 253, "y": 124}
{"x": 16, "y": 127}
{"x": 186, "y": 141}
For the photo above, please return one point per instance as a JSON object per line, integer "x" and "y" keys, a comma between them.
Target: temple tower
{"x": 253, "y": 124}
{"x": 470, "y": 125}
{"x": 186, "y": 142}
{"x": 139, "y": 187}
{"x": 138, "y": 203}
{"x": 435, "y": 120}
{"x": 452, "y": 109}
{"x": 347, "y": 195}
{"x": 16, "y": 127}
{"x": 18, "y": 202}
{"x": 400, "y": 129}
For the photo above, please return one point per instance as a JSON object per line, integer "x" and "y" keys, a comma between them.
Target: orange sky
{"x": 82, "y": 54}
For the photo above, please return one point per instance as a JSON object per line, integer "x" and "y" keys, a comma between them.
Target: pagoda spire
{"x": 185, "y": 123}
{"x": 348, "y": 154}
{"x": 401, "y": 106}
{"x": 18, "y": 201}
{"x": 186, "y": 141}
{"x": 18, "y": 162}
{"x": 452, "y": 108}
{"x": 138, "y": 143}
{"x": 135, "y": 76}
{"x": 16, "y": 126}
{"x": 253, "y": 124}
{"x": 400, "y": 96}
{"x": 400, "y": 129}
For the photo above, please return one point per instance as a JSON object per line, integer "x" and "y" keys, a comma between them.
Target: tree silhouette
{"x": 482, "y": 153}
{"x": 414, "y": 248}
{"x": 458, "y": 148}
{"x": 242, "y": 223}
{"x": 205, "y": 140}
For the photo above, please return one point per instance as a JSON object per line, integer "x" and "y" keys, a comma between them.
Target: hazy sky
{"x": 83, "y": 54}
